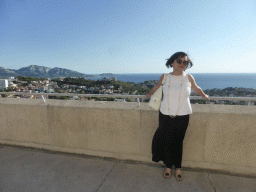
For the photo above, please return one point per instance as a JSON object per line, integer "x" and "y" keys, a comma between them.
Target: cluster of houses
{"x": 34, "y": 86}
{"x": 81, "y": 89}
{"x": 48, "y": 86}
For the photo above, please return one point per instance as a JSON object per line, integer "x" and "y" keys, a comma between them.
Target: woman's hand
{"x": 206, "y": 97}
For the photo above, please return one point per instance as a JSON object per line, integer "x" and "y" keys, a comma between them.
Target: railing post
{"x": 250, "y": 103}
{"x": 138, "y": 100}
{"x": 43, "y": 98}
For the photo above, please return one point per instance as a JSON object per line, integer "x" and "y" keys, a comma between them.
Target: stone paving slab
{"x": 31, "y": 170}
{"x": 23, "y": 169}
{"x": 130, "y": 177}
{"x": 233, "y": 183}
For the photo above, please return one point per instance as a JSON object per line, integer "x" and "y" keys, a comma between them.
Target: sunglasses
{"x": 180, "y": 61}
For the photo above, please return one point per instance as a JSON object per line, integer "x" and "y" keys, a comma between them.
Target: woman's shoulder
{"x": 163, "y": 75}
{"x": 190, "y": 77}
{"x": 161, "y": 78}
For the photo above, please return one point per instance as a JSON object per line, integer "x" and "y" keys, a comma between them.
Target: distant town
{"x": 107, "y": 85}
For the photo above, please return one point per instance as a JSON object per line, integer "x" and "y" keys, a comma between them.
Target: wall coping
{"x": 197, "y": 108}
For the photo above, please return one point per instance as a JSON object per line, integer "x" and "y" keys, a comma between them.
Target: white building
{"x": 120, "y": 100}
{"x": 11, "y": 84}
{"x": 42, "y": 89}
{"x": 11, "y": 79}
{"x": 3, "y": 84}
{"x": 50, "y": 91}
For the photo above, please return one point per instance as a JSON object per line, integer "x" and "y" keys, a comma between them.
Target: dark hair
{"x": 176, "y": 56}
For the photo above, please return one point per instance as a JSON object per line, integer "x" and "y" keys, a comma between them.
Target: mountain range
{"x": 40, "y": 72}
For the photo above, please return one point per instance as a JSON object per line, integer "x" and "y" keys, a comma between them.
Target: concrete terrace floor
{"x": 26, "y": 169}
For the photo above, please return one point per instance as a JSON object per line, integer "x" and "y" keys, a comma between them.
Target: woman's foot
{"x": 167, "y": 173}
{"x": 178, "y": 174}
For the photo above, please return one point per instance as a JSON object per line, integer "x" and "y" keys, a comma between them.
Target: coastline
{"x": 204, "y": 80}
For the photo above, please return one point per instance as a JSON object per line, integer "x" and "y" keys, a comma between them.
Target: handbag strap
{"x": 164, "y": 79}
{"x": 163, "y": 82}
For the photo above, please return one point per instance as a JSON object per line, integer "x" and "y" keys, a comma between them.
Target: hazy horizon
{"x": 144, "y": 73}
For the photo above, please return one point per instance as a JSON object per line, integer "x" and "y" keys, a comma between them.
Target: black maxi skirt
{"x": 167, "y": 144}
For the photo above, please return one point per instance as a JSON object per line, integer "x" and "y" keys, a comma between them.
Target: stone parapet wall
{"x": 219, "y": 137}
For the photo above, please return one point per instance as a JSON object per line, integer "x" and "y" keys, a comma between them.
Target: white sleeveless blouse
{"x": 176, "y": 91}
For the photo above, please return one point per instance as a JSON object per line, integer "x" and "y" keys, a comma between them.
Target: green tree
{"x": 110, "y": 99}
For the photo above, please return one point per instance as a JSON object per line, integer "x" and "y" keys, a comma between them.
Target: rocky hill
{"x": 39, "y": 71}
{"x": 5, "y": 73}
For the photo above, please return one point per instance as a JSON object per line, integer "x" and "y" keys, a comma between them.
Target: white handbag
{"x": 156, "y": 98}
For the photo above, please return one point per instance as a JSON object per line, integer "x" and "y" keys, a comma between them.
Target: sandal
{"x": 167, "y": 174}
{"x": 179, "y": 176}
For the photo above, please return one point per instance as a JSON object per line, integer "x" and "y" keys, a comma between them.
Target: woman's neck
{"x": 177, "y": 73}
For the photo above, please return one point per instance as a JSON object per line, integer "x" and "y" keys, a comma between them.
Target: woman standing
{"x": 167, "y": 144}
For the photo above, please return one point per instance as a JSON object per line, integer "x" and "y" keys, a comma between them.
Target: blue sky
{"x": 128, "y": 36}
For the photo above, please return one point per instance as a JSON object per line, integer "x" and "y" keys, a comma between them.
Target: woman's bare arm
{"x": 155, "y": 88}
{"x": 197, "y": 90}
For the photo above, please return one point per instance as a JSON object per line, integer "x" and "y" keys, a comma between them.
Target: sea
{"x": 203, "y": 80}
